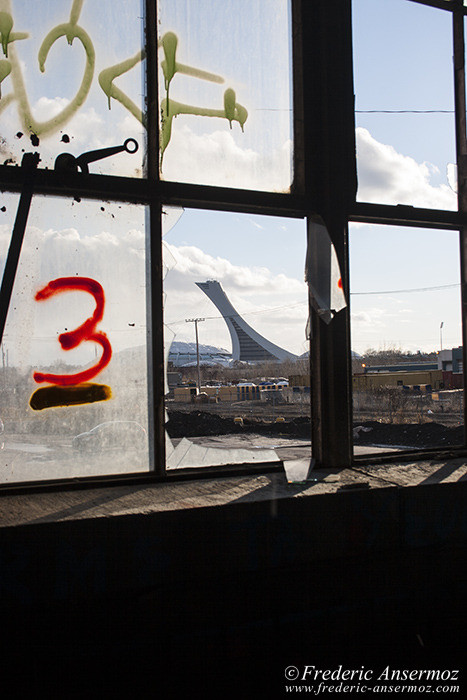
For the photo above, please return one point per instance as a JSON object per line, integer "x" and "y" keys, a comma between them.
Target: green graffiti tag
{"x": 108, "y": 75}
{"x": 232, "y": 111}
{"x": 71, "y": 30}
{"x": 6, "y": 25}
{"x": 5, "y": 69}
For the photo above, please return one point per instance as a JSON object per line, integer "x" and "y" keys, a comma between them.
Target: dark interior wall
{"x": 230, "y": 596}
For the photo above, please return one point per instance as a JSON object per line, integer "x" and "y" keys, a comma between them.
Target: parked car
{"x": 113, "y": 435}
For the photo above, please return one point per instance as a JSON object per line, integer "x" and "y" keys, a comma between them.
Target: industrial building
{"x": 445, "y": 373}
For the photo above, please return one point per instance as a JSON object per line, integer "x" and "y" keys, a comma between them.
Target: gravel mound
{"x": 409, "y": 434}
{"x": 199, "y": 423}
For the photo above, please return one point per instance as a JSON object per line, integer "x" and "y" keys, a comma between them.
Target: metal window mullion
{"x": 402, "y": 215}
{"x": 152, "y": 100}
{"x": 298, "y": 182}
{"x": 30, "y": 162}
{"x": 156, "y": 373}
{"x": 461, "y": 151}
{"x": 156, "y": 370}
{"x": 89, "y": 186}
{"x": 330, "y": 190}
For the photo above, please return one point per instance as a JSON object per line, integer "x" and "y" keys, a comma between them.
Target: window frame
{"x": 402, "y": 215}
{"x": 324, "y": 183}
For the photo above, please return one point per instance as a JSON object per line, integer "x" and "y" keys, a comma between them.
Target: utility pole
{"x": 196, "y": 321}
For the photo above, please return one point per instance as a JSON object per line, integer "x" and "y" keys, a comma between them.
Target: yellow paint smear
{"x": 54, "y": 396}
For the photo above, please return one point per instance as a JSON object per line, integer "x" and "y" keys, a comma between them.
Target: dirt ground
{"x": 199, "y": 423}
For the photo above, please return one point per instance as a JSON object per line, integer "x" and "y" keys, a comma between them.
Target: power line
{"x": 406, "y": 291}
{"x": 372, "y": 111}
{"x": 404, "y": 111}
{"x": 246, "y": 313}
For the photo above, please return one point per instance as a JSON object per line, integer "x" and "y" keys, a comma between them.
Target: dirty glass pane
{"x": 404, "y": 104}
{"x": 237, "y": 281}
{"x": 63, "y": 63}
{"x": 73, "y": 381}
{"x": 225, "y": 93}
{"x": 408, "y": 381}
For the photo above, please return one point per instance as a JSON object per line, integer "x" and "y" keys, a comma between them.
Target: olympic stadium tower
{"x": 247, "y": 344}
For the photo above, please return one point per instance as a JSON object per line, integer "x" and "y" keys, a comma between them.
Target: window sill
{"x": 91, "y": 503}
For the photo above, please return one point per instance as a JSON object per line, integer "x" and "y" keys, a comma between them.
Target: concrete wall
{"x": 228, "y": 597}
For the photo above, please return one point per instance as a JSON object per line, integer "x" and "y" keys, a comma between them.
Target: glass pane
{"x": 62, "y": 65}
{"x": 73, "y": 375}
{"x": 406, "y": 338}
{"x": 225, "y": 92}
{"x": 235, "y": 291}
{"x": 404, "y": 104}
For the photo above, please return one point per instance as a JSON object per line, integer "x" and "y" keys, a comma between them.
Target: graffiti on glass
{"x": 11, "y": 68}
{"x": 75, "y": 388}
{"x": 232, "y": 111}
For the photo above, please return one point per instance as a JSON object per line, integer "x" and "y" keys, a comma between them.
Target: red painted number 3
{"x": 87, "y": 330}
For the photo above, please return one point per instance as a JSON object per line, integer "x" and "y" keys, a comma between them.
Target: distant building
{"x": 183, "y": 354}
{"x": 452, "y": 364}
{"x": 401, "y": 367}
{"x": 451, "y": 360}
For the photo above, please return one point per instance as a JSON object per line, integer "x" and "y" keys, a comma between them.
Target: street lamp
{"x": 196, "y": 321}
{"x": 441, "y": 336}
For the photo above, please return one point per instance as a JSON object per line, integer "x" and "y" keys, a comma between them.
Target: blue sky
{"x": 403, "y": 61}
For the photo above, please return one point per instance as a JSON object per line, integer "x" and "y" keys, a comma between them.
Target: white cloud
{"x": 219, "y": 159}
{"x": 361, "y": 318}
{"x": 388, "y": 177}
{"x": 47, "y": 108}
{"x": 193, "y": 263}
{"x": 70, "y": 234}
{"x": 371, "y": 318}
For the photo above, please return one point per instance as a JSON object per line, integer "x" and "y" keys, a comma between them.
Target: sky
{"x": 402, "y": 158}
{"x": 258, "y": 260}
